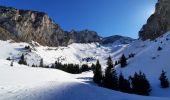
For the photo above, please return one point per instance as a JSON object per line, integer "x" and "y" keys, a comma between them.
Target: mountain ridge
{"x": 28, "y": 25}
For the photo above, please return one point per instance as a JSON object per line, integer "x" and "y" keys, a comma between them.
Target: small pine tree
{"x": 124, "y": 84}
{"x": 110, "y": 62}
{"x": 12, "y": 63}
{"x": 97, "y": 78}
{"x": 22, "y": 60}
{"x": 41, "y": 63}
{"x": 33, "y": 65}
{"x": 164, "y": 80}
{"x": 159, "y": 48}
{"x": 116, "y": 63}
{"x": 22, "y": 57}
{"x": 123, "y": 61}
{"x": 110, "y": 79}
{"x": 93, "y": 67}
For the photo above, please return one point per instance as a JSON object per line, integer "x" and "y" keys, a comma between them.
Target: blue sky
{"x": 107, "y": 17}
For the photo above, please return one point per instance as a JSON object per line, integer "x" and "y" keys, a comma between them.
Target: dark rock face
{"x": 26, "y": 26}
{"x": 117, "y": 38}
{"x": 158, "y": 23}
{"x": 84, "y": 36}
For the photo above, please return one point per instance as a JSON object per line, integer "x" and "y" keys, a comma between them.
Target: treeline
{"x": 71, "y": 68}
{"x": 136, "y": 84}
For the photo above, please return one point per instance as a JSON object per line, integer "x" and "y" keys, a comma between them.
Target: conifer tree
{"x": 164, "y": 80}
{"x": 22, "y": 57}
{"x": 97, "y": 73}
{"x": 140, "y": 85}
{"x": 110, "y": 79}
{"x": 124, "y": 84}
{"x": 116, "y": 63}
{"x": 93, "y": 67}
{"x": 33, "y": 65}
{"x": 12, "y": 63}
{"x": 110, "y": 62}
{"x": 123, "y": 61}
{"x": 22, "y": 60}
{"x": 41, "y": 63}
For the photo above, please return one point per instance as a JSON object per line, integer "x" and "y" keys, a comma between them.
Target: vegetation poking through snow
{"x": 22, "y": 60}
{"x": 159, "y": 48}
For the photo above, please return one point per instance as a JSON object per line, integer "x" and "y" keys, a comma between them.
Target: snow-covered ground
{"x": 75, "y": 53}
{"x": 151, "y": 61}
{"x": 27, "y": 83}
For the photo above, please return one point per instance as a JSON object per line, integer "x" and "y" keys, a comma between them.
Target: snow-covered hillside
{"x": 151, "y": 61}
{"x": 74, "y": 53}
{"x": 23, "y": 82}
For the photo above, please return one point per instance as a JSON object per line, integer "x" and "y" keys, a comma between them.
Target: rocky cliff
{"x": 117, "y": 38}
{"x": 158, "y": 23}
{"x": 27, "y": 25}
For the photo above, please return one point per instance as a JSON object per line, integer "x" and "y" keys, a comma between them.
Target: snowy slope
{"x": 74, "y": 53}
{"x": 27, "y": 83}
{"x": 147, "y": 59}
{"x": 150, "y": 61}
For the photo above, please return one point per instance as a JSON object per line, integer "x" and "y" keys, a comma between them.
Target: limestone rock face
{"x": 27, "y": 25}
{"x": 158, "y": 23}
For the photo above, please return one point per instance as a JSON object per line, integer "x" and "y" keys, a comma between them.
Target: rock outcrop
{"x": 27, "y": 25}
{"x": 117, "y": 38}
{"x": 158, "y": 23}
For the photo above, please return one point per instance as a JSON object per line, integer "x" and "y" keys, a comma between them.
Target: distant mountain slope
{"x": 117, "y": 38}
